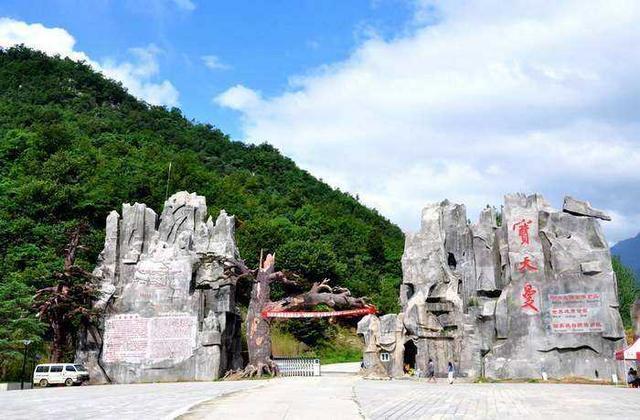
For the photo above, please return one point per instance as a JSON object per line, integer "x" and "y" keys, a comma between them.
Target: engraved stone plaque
{"x": 134, "y": 339}
{"x": 575, "y": 313}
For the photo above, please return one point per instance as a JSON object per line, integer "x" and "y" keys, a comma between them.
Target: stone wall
{"x": 535, "y": 294}
{"x": 168, "y": 313}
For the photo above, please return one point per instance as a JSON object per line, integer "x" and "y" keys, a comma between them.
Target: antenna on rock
{"x": 166, "y": 194}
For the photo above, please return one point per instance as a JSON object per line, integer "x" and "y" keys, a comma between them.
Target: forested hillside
{"x": 628, "y": 251}
{"x": 75, "y": 145}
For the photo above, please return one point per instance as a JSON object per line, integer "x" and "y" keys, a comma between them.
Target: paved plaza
{"x": 139, "y": 401}
{"x": 328, "y": 397}
{"x": 403, "y": 399}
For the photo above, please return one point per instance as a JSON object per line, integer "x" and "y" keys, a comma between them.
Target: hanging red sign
{"x": 308, "y": 314}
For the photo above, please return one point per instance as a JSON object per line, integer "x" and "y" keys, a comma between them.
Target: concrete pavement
{"x": 402, "y": 399}
{"x": 335, "y": 397}
{"x": 351, "y": 368}
{"x": 306, "y": 398}
{"x": 139, "y": 401}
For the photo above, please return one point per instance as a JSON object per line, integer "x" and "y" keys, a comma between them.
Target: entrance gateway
{"x": 300, "y": 366}
{"x": 410, "y": 352}
{"x": 528, "y": 291}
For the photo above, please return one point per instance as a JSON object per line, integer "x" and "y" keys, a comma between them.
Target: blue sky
{"x": 402, "y": 102}
{"x": 257, "y": 43}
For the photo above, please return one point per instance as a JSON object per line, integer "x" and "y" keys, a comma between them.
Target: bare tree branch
{"x": 284, "y": 278}
{"x": 337, "y": 298}
{"x": 236, "y": 269}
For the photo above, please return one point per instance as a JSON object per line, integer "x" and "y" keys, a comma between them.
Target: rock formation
{"x": 534, "y": 293}
{"x": 168, "y": 312}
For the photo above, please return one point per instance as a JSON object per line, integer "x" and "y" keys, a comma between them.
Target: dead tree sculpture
{"x": 69, "y": 301}
{"x": 258, "y": 325}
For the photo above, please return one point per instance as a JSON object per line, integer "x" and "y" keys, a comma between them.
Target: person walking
{"x": 632, "y": 378}
{"x": 431, "y": 371}
{"x": 450, "y": 373}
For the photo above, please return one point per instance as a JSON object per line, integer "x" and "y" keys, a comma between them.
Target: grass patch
{"x": 341, "y": 345}
{"x": 338, "y": 354}
{"x": 284, "y": 344}
{"x": 344, "y": 346}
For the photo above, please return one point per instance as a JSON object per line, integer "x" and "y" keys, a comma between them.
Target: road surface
{"x": 333, "y": 397}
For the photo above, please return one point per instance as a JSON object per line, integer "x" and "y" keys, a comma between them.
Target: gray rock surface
{"x": 535, "y": 294}
{"x": 168, "y": 311}
{"x": 486, "y": 252}
{"x": 582, "y": 208}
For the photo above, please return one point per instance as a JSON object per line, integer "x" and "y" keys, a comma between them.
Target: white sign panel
{"x": 575, "y": 313}
{"x": 131, "y": 338}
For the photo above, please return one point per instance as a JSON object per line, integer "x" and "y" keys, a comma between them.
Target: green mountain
{"x": 628, "y": 251}
{"x": 75, "y": 145}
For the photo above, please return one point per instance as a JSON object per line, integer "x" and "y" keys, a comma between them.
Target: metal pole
{"x": 24, "y": 362}
{"x": 33, "y": 367}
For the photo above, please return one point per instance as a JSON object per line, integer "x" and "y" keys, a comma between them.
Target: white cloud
{"x": 187, "y": 5}
{"x": 618, "y": 226}
{"x": 51, "y": 41}
{"x": 239, "y": 98}
{"x": 213, "y": 62}
{"x": 474, "y": 100}
{"x": 138, "y": 75}
{"x": 313, "y": 44}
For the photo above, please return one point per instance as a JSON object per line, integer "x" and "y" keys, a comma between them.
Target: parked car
{"x": 59, "y": 373}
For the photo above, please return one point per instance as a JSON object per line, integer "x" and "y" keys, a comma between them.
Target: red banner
{"x": 350, "y": 312}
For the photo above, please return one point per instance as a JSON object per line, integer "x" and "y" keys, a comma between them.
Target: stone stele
{"x": 514, "y": 296}
{"x": 168, "y": 313}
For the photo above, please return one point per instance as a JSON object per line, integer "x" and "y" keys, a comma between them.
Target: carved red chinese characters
{"x": 528, "y": 294}
{"x": 526, "y": 265}
{"x": 523, "y": 231}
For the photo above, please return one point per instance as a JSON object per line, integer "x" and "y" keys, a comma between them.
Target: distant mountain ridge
{"x": 628, "y": 251}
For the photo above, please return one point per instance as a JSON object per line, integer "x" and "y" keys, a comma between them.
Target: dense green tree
{"x": 66, "y": 305}
{"x": 17, "y": 323}
{"x": 75, "y": 145}
{"x": 628, "y": 290}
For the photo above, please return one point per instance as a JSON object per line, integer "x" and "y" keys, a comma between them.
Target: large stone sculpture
{"x": 168, "y": 311}
{"x": 535, "y": 293}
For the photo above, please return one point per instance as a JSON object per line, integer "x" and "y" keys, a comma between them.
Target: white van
{"x": 59, "y": 373}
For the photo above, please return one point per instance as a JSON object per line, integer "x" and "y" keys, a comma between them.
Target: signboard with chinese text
{"x": 131, "y": 338}
{"x": 575, "y": 313}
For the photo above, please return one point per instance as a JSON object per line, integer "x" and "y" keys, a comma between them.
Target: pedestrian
{"x": 632, "y": 378}
{"x": 450, "y": 373}
{"x": 431, "y": 371}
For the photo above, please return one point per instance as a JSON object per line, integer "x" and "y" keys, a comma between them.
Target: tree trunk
{"x": 59, "y": 343}
{"x": 258, "y": 328}
{"x": 68, "y": 301}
